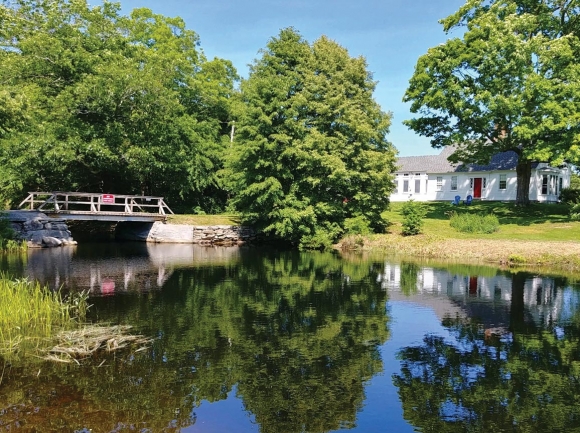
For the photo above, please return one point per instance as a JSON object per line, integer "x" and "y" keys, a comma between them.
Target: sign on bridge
{"x": 107, "y": 198}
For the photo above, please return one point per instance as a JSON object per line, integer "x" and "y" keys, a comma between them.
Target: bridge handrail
{"x": 60, "y": 201}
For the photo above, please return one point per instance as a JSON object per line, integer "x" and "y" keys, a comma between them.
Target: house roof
{"x": 440, "y": 163}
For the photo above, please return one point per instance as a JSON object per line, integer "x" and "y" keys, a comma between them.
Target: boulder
{"x": 50, "y": 241}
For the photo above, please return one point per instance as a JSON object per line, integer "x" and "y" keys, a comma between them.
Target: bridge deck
{"x": 98, "y": 207}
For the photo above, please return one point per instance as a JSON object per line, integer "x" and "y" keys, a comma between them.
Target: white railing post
{"x": 55, "y": 201}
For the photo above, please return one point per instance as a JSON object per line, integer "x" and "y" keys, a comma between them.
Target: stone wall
{"x": 177, "y": 233}
{"x": 41, "y": 231}
{"x": 38, "y": 230}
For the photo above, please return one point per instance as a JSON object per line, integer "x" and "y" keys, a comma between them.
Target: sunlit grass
{"x": 31, "y": 314}
{"x": 538, "y": 222}
{"x": 205, "y": 220}
{"x": 541, "y": 235}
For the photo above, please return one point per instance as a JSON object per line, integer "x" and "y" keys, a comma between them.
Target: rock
{"x": 38, "y": 230}
{"x": 50, "y": 241}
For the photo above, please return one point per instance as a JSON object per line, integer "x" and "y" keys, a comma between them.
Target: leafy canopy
{"x": 512, "y": 82}
{"x": 310, "y": 151}
{"x": 93, "y": 100}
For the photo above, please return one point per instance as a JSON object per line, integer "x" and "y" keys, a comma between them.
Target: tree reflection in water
{"x": 525, "y": 378}
{"x": 296, "y": 334}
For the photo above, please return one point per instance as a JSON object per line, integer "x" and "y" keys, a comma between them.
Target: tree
{"x": 92, "y": 100}
{"x": 510, "y": 83}
{"x": 310, "y": 150}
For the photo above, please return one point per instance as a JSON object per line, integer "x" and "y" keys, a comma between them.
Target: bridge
{"x": 81, "y": 206}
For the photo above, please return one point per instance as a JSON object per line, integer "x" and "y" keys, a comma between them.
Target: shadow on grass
{"x": 507, "y": 213}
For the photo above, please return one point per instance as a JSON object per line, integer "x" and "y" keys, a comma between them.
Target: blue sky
{"x": 390, "y": 34}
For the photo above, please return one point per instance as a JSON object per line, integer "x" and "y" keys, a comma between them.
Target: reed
{"x": 31, "y": 314}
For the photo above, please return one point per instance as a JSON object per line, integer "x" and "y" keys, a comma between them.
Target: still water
{"x": 254, "y": 340}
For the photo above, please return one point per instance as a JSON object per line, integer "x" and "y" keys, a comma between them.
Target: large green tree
{"x": 511, "y": 82}
{"x": 310, "y": 150}
{"x": 96, "y": 101}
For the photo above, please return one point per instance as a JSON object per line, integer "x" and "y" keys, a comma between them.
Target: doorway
{"x": 477, "y": 187}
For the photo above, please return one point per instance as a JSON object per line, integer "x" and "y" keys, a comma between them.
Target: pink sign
{"x": 107, "y": 287}
{"x": 107, "y": 198}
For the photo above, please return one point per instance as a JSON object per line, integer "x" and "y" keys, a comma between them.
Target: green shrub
{"x": 413, "y": 214}
{"x": 575, "y": 212}
{"x": 473, "y": 223}
{"x": 516, "y": 259}
{"x": 357, "y": 226}
{"x": 322, "y": 239}
{"x": 570, "y": 195}
{"x": 6, "y": 232}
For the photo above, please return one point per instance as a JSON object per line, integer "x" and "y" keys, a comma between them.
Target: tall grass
{"x": 474, "y": 223}
{"x": 31, "y": 314}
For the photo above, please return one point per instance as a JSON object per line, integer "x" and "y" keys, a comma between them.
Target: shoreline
{"x": 564, "y": 255}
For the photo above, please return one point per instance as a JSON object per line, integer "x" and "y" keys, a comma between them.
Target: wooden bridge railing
{"x": 95, "y": 203}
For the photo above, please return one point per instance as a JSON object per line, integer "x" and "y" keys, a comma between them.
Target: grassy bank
{"x": 541, "y": 234}
{"x": 30, "y": 315}
{"x": 204, "y": 220}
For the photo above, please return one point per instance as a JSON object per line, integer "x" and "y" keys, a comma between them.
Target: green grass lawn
{"x": 540, "y": 222}
{"x": 205, "y": 220}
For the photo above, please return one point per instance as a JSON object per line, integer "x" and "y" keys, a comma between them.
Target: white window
{"x": 484, "y": 183}
{"x": 453, "y": 183}
{"x": 406, "y": 185}
{"x": 439, "y": 183}
{"x": 417, "y": 186}
{"x": 502, "y": 181}
{"x": 544, "y": 184}
{"x": 470, "y": 183}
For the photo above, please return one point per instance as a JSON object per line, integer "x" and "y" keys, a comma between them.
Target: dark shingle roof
{"x": 440, "y": 164}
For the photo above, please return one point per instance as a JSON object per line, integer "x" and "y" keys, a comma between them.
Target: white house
{"x": 433, "y": 177}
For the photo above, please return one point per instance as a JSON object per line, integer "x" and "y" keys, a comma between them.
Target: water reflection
{"x": 492, "y": 297}
{"x": 295, "y": 337}
{"x": 109, "y": 268}
{"x": 259, "y": 340}
{"x": 510, "y": 360}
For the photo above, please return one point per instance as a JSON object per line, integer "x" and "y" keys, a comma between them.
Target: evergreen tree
{"x": 310, "y": 151}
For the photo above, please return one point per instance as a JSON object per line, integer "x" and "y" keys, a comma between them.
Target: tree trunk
{"x": 518, "y": 323}
{"x": 524, "y": 172}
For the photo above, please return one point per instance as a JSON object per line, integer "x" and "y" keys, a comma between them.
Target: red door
{"x": 477, "y": 187}
{"x": 472, "y": 286}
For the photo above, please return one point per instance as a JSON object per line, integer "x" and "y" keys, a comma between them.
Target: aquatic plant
{"x": 31, "y": 314}
{"x": 89, "y": 340}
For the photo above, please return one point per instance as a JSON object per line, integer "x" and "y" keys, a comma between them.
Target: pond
{"x": 258, "y": 340}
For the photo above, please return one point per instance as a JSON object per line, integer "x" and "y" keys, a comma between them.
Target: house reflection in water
{"x": 489, "y": 299}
